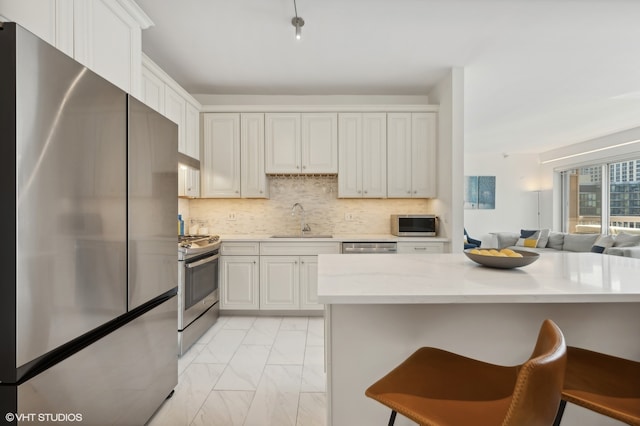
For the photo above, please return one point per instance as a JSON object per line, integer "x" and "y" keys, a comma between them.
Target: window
{"x": 589, "y": 201}
{"x": 583, "y": 200}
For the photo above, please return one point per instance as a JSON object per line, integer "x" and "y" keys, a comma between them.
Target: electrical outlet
{"x": 231, "y": 216}
{"x": 349, "y": 217}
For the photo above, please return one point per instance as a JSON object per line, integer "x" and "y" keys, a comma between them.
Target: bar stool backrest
{"x": 538, "y": 389}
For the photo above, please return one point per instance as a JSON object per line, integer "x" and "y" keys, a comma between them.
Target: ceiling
{"x": 539, "y": 74}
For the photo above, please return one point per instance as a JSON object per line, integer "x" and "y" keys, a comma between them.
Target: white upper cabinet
{"x": 108, "y": 40}
{"x": 175, "y": 108}
{"x": 423, "y": 158}
{"x": 188, "y": 182}
{"x": 301, "y": 143}
{"x": 282, "y": 143}
{"x": 233, "y": 156}
{"x": 221, "y": 156}
{"x": 162, "y": 93}
{"x": 363, "y": 155}
{"x": 152, "y": 90}
{"x": 42, "y": 19}
{"x": 253, "y": 181}
{"x": 319, "y": 143}
{"x": 411, "y": 144}
{"x": 192, "y": 131}
{"x": 104, "y": 35}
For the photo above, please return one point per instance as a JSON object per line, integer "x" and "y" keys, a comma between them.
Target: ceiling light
{"x": 297, "y": 21}
{"x": 589, "y": 152}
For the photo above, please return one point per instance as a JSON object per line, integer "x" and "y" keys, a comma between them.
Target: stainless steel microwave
{"x": 414, "y": 225}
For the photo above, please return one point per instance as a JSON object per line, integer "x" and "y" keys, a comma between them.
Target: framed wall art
{"x": 479, "y": 192}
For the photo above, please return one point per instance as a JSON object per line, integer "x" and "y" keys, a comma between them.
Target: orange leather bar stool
{"x": 602, "y": 383}
{"x": 434, "y": 387}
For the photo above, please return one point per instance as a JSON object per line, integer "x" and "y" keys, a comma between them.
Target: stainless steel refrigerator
{"x": 88, "y": 311}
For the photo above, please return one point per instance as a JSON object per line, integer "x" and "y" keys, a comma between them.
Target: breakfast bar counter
{"x": 381, "y": 308}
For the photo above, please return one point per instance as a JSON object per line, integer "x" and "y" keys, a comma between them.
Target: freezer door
{"x": 152, "y": 203}
{"x": 119, "y": 380}
{"x": 70, "y": 185}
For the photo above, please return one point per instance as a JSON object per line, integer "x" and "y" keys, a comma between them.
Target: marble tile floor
{"x": 251, "y": 371}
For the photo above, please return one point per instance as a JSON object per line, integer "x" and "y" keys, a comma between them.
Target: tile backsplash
{"x": 324, "y": 212}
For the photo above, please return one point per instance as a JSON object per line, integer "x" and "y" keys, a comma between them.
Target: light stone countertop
{"x": 334, "y": 238}
{"x": 561, "y": 277}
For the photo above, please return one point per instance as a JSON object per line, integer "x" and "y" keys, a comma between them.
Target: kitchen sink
{"x": 302, "y": 236}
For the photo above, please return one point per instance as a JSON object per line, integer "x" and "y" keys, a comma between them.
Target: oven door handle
{"x": 201, "y": 262}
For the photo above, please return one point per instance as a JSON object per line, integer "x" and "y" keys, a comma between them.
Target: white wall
{"x": 518, "y": 177}
{"x": 449, "y": 94}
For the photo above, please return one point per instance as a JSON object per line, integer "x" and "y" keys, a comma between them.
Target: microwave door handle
{"x": 201, "y": 262}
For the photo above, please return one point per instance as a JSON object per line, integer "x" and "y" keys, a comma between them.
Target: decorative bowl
{"x": 527, "y": 258}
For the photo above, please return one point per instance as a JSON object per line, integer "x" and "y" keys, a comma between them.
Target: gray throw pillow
{"x": 626, "y": 240}
{"x": 556, "y": 240}
{"x": 544, "y": 237}
{"x": 579, "y": 242}
{"x": 507, "y": 239}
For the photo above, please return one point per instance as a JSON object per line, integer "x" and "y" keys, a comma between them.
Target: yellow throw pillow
{"x": 528, "y": 238}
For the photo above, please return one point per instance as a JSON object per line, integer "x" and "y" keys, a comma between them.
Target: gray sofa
{"x": 623, "y": 244}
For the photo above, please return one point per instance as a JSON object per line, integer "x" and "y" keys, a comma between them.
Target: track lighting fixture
{"x": 297, "y": 22}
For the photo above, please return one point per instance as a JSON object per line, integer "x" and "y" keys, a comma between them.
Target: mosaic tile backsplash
{"x": 324, "y": 212}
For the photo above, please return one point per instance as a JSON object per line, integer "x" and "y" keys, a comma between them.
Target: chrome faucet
{"x": 304, "y": 227}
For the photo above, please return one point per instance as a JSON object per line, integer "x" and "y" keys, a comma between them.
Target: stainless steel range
{"x": 198, "y": 293}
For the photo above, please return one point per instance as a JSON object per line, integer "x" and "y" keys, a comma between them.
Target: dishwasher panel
{"x": 369, "y": 247}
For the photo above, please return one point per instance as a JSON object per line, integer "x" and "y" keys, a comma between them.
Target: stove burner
{"x": 186, "y": 241}
{"x": 182, "y": 238}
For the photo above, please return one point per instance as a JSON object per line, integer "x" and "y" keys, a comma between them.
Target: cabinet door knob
{"x": 254, "y": 262}
{"x": 415, "y": 192}
{"x": 297, "y": 167}
{"x": 237, "y": 192}
{"x": 261, "y": 191}
{"x": 302, "y": 262}
{"x": 366, "y": 192}
{"x": 304, "y": 167}
{"x": 408, "y": 192}
{"x": 359, "y": 192}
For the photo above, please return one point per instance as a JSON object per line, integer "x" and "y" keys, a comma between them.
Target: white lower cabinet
{"x": 240, "y": 275}
{"x": 420, "y": 247}
{"x": 309, "y": 283}
{"x": 239, "y": 278}
{"x": 279, "y": 282}
{"x": 271, "y": 275}
{"x": 289, "y": 282}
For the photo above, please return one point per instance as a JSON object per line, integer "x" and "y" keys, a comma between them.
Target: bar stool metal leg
{"x": 392, "y": 419}
{"x": 560, "y": 412}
